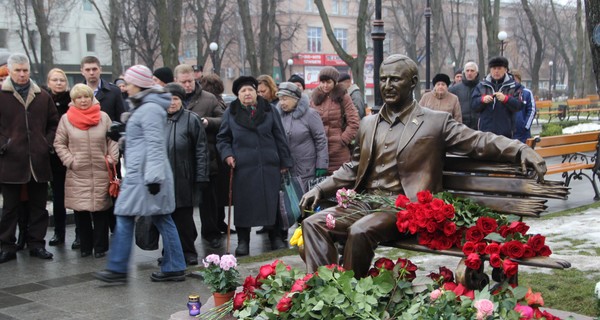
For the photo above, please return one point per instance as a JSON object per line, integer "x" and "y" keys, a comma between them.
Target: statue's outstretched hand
{"x": 310, "y": 199}
{"x": 533, "y": 159}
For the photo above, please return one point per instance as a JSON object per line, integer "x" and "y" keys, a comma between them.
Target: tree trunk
{"x": 46, "y": 53}
{"x": 561, "y": 48}
{"x": 537, "y": 61}
{"x": 117, "y": 65}
{"x": 579, "y": 51}
{"x": 491, "y": 26}
{"x": 200, "y": 10}
{"x": 244, "y": 10}
{"x": 592, "y": 9}
{"x": 480, "y": 54}
{"x": 169, "y": 26}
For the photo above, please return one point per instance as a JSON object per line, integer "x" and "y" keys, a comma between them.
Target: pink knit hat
{"x": 139, "y": 76}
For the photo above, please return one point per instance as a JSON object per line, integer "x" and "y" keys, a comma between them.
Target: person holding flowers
{"x": 401, "y": 151}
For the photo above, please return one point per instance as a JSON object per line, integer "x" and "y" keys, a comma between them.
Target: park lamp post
{"x": 502, "y": 35}
{"x": 550, "y": 66}
{"x": 290, "y": 63}
{"x": 213, "y": 46}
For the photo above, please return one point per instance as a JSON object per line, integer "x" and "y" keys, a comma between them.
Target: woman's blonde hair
{"x": 81, "y": 89}
{"x": 270, "y": 83}
{"x": 57, "y": 70}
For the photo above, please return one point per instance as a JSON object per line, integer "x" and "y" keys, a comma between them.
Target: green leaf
{"x": 494, "y": 236}
{"x": 325, "y": 273}
{"x": 318, "y": 306}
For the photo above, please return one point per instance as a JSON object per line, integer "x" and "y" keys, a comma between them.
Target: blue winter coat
{"x": 146, "y": 159}
{"x": 524, "y": 118}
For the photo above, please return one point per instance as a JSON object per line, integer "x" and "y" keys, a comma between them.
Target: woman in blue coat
{"x": 252, "y": 141}
{"x": 147, "y": 188}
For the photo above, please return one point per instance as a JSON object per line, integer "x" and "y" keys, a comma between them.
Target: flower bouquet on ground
{"x": 221, "y": 275}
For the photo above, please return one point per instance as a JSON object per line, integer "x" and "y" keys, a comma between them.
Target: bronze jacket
{"x": 428, "y": 136}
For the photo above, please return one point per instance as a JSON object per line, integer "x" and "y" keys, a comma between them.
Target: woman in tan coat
{"x": 340, "y": 117}
{"x": 82, "y": 146}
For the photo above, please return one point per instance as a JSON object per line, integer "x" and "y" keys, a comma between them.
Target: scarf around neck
{"x": 84, "y": 119}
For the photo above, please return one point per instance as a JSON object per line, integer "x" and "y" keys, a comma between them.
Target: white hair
{"x": 471, "y": 64}
{"x": 16, "y": 58}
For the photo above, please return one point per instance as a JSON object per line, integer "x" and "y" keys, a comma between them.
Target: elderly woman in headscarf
{"x": 252, "y": 142}
{"x": 305, "y": 133}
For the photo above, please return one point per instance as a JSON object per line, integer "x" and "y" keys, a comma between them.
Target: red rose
{"x": 518, "y": 226}
{"x": 431, "y": 226}
{"x": 435, "y": 276}
{"x": 402, "y": 201}
{"x": 480, "y": 247}
{"x": 438, "y": 216}
{"x": 448, "y": 211}
{"x": 487, "y": 224}
{"x": 450, "y": 286}
{"x": 534, "y": 298}
{"x": 437, "y": 204}
{"x": 298, "y": 286}
{"x": 424, "y": 196}
{"x": 265, "y": 271}
{"x": 284, "y": 304}
{"x": 514, "y": 249}
{"x": 528, "y": 253}
{"x": 492, "y": 248}
{"x": 470, "y": 294}
{"x": 447, "y": 274}
{"x": 308, "y": 276}
{"x": 474, "y": 234}
{"x": 510, "y": 267}
{"x": 473, "y": 261}
{"x": 443, "y": 243}
{"x": 373, "y": 272}
{"x": 449, "y": 228}
{"x": 249, "y": 284}
{"x": 536, "y": 242}
{"x": 468, "y": 248}
{"x": 406, "y": 264}
{"x": 384, "y": 263}
{"x": 275, "y": 263}
{"x": 495, "y": 260}
{"x": 545, "y": 251}
{"x": 238, "y": 300}
{"x": 459, "y": 290}
{"x": 503, "y": 231}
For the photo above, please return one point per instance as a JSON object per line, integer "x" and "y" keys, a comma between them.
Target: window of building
{"x": 314, "y": 39}
{"x": 341, "y": 35}
{"x": 309, "y": 5}
{"x": 64, "y": 41}
{"x": 87, "y": 5}
{"x": 3, "y": 38}
{"x": 471, "y": 40}
{"x": 335, "y": 6}
{"x": 90, "y": 40}
{"x": 345, "y": 7}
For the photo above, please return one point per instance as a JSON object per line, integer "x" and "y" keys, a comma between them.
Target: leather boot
{"x": 243, "y": 248}
{"x": 276, "y": 240}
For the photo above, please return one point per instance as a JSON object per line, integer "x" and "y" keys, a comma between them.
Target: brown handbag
{"x": 114, "y": 182}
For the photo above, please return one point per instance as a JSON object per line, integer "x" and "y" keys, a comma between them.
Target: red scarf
{"x": 84, "y": 119}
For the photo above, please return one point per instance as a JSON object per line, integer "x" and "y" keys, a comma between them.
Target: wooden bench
{"x": 579, "y": 153}
{"x": 546, "y": 108}
{"x": 583, "y": 105}
{"x": 505, "y": 189}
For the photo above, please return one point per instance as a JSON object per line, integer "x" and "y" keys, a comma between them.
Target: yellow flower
{"x": 297, "y": 239}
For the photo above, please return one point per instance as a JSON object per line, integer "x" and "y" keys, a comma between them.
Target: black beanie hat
{"x": 441, "y": 77}
{"x": 343, "y": 77}
{"x": 165, "y": 74}
{"x": 243, "y": 81}
{"x": 297, "y": 78}
{"x": 175, "y": 89}
{"x": 498, "y": 62}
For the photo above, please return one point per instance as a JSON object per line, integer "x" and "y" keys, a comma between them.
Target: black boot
{"x": 76, "y": 243}
{"x": 277, "y": 242}
{"x": 56, "y": 240}
{"x": 21, "y": 241}
{"x": 243, "y": 248}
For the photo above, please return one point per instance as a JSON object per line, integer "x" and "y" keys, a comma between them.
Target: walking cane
{"x": 229, "y": 209}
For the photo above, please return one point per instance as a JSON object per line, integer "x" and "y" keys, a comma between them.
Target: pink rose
{"x": 525, "y": 311}
{"x": 484, "y": 308}
{"x": 284, "y": 304}
{"x": 330, "y": 221}
{"x": 435, "y": 294}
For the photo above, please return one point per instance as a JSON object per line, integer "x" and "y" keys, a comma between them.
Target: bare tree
{"x": 491, "y": 16}
{"x": 244, "y": 11}
{"x": 266, "y": 35}
{"x": 112, "y": 30}
{"x": 537, "y": 61}
{"x": 566, "y": 51}
{"x": 285, "y": 34}
{"x": 579, "y": 50}
{"x": 168, "y": 14}
{"x": 592, "y": 13}
{"x": 480, "y": 53}
{"x": 455, "y": 32}
{"x": 356, "y": 64}
{"x": 140, "y": 32}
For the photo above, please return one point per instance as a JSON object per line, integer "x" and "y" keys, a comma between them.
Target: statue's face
{"x": 397, "y": 82}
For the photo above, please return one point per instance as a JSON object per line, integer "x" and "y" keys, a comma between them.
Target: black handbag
{"x": 289, "y": 200}
{"x": 146, "y": 234}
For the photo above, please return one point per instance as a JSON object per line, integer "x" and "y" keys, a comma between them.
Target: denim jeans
{"x": 120, "y": 249}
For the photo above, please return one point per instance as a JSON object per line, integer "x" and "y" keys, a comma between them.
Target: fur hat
{"x": 289, "y": 89}
{"x": 139, "y": 76}
{"x": 498, "y": 62}
{"x": 243, "y": 81}
{"x": 344, "y": 76}
{"x": 441, "y": 77}
{"x": 175, "y": 89}
{"x": 297, "y": 78}
{"x": 164, "y": 74}
{"x": 329, "y": 73}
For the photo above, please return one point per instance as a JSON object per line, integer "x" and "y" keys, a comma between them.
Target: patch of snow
{"x": 582, "y": 127}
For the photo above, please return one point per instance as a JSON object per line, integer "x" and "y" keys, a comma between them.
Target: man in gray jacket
{"x": 354, "y": 92}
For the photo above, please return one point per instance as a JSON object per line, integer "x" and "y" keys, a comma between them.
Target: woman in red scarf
{"x": 82, "y": 146}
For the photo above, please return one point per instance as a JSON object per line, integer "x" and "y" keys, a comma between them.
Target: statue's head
{"x": 398, "y": 77}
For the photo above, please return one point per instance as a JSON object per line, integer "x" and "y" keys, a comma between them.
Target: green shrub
{"x": 551, "y": 129}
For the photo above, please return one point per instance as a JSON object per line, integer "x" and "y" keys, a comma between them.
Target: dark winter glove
{"x": 320, "y": 172}
{"x": 202, "y": 185}
{"x": 115, "y": 131}
{"x": 153, "y": 188}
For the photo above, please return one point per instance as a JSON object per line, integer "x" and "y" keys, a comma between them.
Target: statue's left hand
{"x": 533, "y": 159}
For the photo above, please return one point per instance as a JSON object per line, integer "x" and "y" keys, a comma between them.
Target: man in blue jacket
{"x": 524, "y": 118}
{"x": 496, "y": 98}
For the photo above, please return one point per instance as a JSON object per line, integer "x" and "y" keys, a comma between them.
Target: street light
{"x": 290, "y": 63}
{"x": 213, "y": 46}
{"x": 550, "y": 66}
{"x": 502, "y": 35}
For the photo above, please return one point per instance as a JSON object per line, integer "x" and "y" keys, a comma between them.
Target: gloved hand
{"x": 202, "y": 185}
{"x": 153, "y": 188}
{"x": 320, "y": 172}
{"x": 115, "y": 131}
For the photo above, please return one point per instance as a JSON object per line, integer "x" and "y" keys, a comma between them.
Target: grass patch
{"x": 574, "y": 242}
{"x": 572, "y": 211}
{"x": 571, "y": 290}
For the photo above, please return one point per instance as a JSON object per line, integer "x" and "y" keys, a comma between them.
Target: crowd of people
{"x": 179, "y": 143}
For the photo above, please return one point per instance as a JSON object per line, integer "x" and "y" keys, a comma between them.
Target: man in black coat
{"x": 464, "y": 91}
